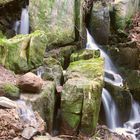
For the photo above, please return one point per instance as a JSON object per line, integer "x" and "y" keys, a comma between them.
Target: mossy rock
{"x": 56, "y": 18}
{"x": 123, "y": 12}
{"x": 23, "y": 52}
{"x": 9, "y": 90}
{"x": 84, "y": 55}
{"x": 81, "y": 96}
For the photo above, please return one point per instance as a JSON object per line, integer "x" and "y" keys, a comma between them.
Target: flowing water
{"x": 22, "y": 26}
{"x": 26, "y": 113}
{"x": 111, "y": 111}
{"x": 132, "y": 127}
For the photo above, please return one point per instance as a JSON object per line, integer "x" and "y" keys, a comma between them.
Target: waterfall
{"x": 111, "y": 111}
{"x": 24, "y": 23}
{"x": 22, "y": 26}
{"x": 132, "y": 126}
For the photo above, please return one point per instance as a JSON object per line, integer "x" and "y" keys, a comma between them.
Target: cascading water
{"x": 132, "y": 127}
{"x": 24, "y": 25}
{"x": 111, "y": 111}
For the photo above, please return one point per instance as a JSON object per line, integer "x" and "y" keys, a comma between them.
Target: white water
{"x": 16, "y": 27}
{"x": 110, "y": 108}
{"x": 26, "y": 113}
{"x": 111, "y": 111}
{"x": 24, "y": 23}
{"x": 40, "y": 71}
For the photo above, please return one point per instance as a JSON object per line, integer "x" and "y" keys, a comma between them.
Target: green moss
{"x": 85, "y": 55}
{"x": 91, "y": 68}
{"x": 11, "y": 91}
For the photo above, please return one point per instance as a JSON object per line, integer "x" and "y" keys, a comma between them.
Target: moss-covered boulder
{"x": 56, "y": 18}
{"x": 100, "y": 22}
{"x": 43, "y": 103}
{"x": 123, "y": 10}
{"x": 9, "y": 90}
{"x": 62, "y": 54}
{"x": 23, "y": 52}
{"x": 84, "y": 55}
{"x": 81, "y": 96}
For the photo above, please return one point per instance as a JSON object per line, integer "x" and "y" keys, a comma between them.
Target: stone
{"x": 123, "y": 11}
{"x": 9, "y": 90}
{"x": 28, "y": 132}
{"x": 84, "y": 55}
{"x": 43, "y": 103}
{"x": 99, "y": 23}
{"x": 29, "y": 82}
{"x": 52, "y": 70}
{"x": 132, "y": 81}
{"x": 62, "y": 54}
{"x": 6, "y": 103}
{"x": 56, "y": 18}
{"x": 19, "y": 53}
{"x": 81, "y": 96}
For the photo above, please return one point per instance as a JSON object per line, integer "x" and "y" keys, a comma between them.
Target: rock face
{"x": 123, "y": 11}
{"x": 43, "y": 103}
{"x": 133, "y": 81}
{"x": 30, "y": 83}
{"x": 56, "y": 18}
{"x": 81, "y": 96}
{"x": 100, "y": 22}
{"x": 19, "y": 53}
{"x": 52, "y": 70}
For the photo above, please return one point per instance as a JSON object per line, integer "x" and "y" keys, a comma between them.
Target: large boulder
{"x": 81, "y": 96}
{"x": 56, "y": 18}
{"x": 23, "y": 52}
{"x": 100, "y": 22}
{"x": 123, "y": 10}
{"x": 43, "y": 103}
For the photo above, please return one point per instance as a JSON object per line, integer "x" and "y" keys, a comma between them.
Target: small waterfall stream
{"x": 112, "y": 116}
{"x": 22, "y": 26}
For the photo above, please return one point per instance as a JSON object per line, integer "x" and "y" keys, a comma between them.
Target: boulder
{"x": 62, "y": 54}
{"x": 81, "y": 96}
{"x": 84, "y": 55}
{"x": 123, "y": 10}
{"x": 19, "y": 53}
{"x": 56, "y": 18}
{"x": 29, "y": 82}
{"x": 51, "y": 70}
{"x": 43, "y": 103}
{"x": 100, "y": 22}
